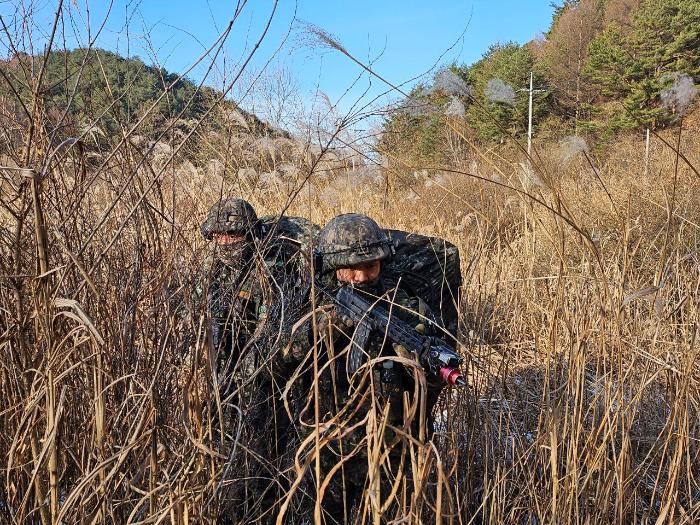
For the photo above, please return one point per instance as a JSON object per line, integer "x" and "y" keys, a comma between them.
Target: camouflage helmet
{"x": 231, "y": 215}
{"x": 351, "y": 239}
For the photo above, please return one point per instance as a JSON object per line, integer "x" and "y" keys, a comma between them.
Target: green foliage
{"x": 604, "y": 64}
{"x": 100, "y": 96}
{"x": 115, "y": 91}
{"x": 418, "y": 129}
{"x": 100, "y": 92}
{"x": 512, "y": 64}
{"x": 415, "y": 130}
{"x": 429, "y": 137}
{"x": 634, "y": 67}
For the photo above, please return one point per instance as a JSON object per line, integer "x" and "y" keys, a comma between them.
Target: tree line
{"x": 603, "y": 67}
{"x": 97, "y": 95}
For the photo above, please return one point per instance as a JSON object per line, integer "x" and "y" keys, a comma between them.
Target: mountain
{"x": 101, "y": 90}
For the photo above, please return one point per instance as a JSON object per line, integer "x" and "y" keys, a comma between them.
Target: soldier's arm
{"x": 418, "y": 313}
{"x": 328, "y": 327}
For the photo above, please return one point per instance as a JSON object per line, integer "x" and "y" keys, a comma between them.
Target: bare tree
{"x": 564, "y": 53}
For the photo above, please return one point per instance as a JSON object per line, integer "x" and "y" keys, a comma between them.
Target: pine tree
{"x": 511, "y": 64}
{"x": 635, "y": 66}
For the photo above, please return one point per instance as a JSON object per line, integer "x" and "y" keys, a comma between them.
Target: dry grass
{"x": 580, "y": 312}
{"x": 582, "y": 356}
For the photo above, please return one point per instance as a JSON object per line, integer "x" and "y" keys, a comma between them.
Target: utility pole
{"x": 531, "y": 91}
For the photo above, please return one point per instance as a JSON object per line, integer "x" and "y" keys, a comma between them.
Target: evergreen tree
{"x": 121, "y": 89}
{"x": 636, "y": 66}
{"x": 415, "y": 130}
{"x": 101, "y": 89}
{"x": 492, "y": 115}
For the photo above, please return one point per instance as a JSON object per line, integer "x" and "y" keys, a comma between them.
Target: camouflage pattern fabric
{"x": 253, "y": 300}
{"x": 267, "y": 279}
{"x": 343, "y": 406}
{"x": 298, "y": 232}
{"x": 351, "y": 239}
{"x": 430, "y": 268}
{"x": 230, "y": 215}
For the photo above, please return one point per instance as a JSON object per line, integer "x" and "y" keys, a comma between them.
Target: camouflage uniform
{"x": 349, "y": 240}
{"x": 256, "y": 288}
{"x": 228, "y": 280}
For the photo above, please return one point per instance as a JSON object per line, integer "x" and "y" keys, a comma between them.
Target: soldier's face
{"x": 361, "y": 274}
{"x": 226, "y": 239}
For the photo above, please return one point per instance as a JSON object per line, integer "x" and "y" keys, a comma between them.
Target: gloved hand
{"x": 403, "y": 352}
{"x": 330, "y": 319}
{"x": 324, "y": 323}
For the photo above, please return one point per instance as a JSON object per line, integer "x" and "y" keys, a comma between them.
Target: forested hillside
{"x": 603, "y": 67}
{"x": 98, "y": 93}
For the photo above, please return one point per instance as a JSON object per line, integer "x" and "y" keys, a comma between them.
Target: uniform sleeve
{"x": 418, "y": 313}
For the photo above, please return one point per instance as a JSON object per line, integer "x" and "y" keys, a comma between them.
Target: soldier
{"x": 254, "y": 282}
{"x": 251, "y": 272}
{"x": 352, "y": 252}
{"x": 232, "y": 225}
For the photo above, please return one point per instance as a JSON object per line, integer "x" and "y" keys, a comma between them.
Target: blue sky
{"x": 403, "y": 38}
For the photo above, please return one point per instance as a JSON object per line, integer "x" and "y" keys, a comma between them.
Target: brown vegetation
{"x": 580, "y": 313}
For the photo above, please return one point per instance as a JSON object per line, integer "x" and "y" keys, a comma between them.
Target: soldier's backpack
{"x": 429, "y": 267}
{"x": 286, "y": 243}
{"x": 297, "y": 233}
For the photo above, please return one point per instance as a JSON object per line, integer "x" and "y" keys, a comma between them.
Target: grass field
{"x": 579, "y": 317}
{"x": 580, "y": 311}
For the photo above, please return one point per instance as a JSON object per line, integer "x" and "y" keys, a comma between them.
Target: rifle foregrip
{"x": 435, "y": 356}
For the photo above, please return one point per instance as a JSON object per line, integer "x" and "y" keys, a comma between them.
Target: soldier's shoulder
{"x": 294, "y": 231}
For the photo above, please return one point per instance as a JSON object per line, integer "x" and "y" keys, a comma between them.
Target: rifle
{"x": 434, "y": 355}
